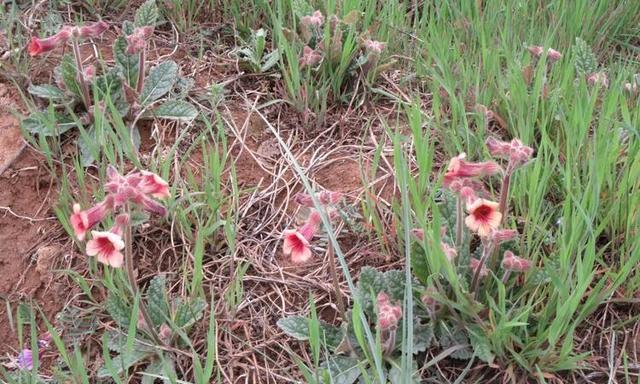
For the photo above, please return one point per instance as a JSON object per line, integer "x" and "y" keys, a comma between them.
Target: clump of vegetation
{"x": 128, "y": 92}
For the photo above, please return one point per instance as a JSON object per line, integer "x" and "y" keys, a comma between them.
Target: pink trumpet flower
{"x": 107, "y": 246}
{"x": 154, "y": 185}
{"x": 484, "y": 217}
{"x": 460, "y": 168}
{"x": 296, "y": 241}
{"x": 38, "y": 46}
{"x": 516, "y": 152}
{"x": 83, "y": 221}
{"x": 93, "y": 30}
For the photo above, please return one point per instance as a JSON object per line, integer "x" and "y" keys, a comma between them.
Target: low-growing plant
{"x": 253, "y": 56}
{"x": 83, "y": 98}
{"x": 323, "y": 58}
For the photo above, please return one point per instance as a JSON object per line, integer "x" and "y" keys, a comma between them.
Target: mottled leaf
{"x": 157, "y": 300}
{"x": 342, "y": 370}
{"x": 128, "y": 64}
{"x": 176, "y": 110}
{"x": 160, "y": 81}
{"x": 46, "y": 91}
{"x": 147, "y": 14}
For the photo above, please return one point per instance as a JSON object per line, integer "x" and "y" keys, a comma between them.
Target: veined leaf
{"x": 69, "y": 75}
{"x": 46, "y": 91}
{"x": 147, "y": 14}
{"x": 176, "y": 110}
{"x": 160, "y": 81}
{"x": 128, "y": 64}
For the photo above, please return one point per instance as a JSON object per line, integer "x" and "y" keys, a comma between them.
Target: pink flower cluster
{"x": 137, "y": 41}
{"x": 484, "y": 216}
{"x": 388, "y": 315}
{"x": 552, "y": 54}
{"x": 137, "y": 188}
{"x": 38, "y": 46}
{"x": 297, "y": 242}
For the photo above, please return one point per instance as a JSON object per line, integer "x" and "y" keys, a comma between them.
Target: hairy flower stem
{"x": 475, "y": 282}
{"x": 504, "y": 192}
{"x": 459, "y": 223}
{"x": 505, "y": 277}
{"x": 133, "y": 282}
{"x": 84, "y": 87}
{"x": 141, "y": 70}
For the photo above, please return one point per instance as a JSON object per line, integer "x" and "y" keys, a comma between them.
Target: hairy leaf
{"x": 49, "y": 92}
{"x": 190, "y": 311}
{"x": 157, "y": 300}
{"x": 176, "y": 110}
{"x": 298, "y": 328}
{"x": 118, "y": 310}
{"x": 342, "y": 369}
{"x": 160, "y": 81}
{"x": 127, "y": 64}
{"x": 147, "y": 14}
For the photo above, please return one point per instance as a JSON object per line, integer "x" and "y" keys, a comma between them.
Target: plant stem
{"x": 336, "y": 283}
{"x": 133, "y": 282}
{"x": 459, "y": 222}
{"x": 141, "y": 70}
{"x": 505, "y": 277}
{"x": 504, "y": 193}
{"x": 84, "y": 88}
{"x": 475, "y": 282}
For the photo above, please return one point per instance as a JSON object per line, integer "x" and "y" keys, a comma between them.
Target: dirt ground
{"x": 28, "y": 227}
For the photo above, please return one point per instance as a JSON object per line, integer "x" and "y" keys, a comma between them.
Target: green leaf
{"x": 342, "y": 369}
{"x": 585, "y": 60}
{"x": 298, "y": 328}
{"x": 481, "y": 347}
{"x": 46, "y": 91}
{"x": 422, "y": 337}
{"x": 188, "y": 312}
{"x": 127, "y": 64}
{"x": 295, "y": 326}
{"x": 87, "y": 146}
{"x": 270, "y": 60}
{"x": 160, "y": 81}
{"x": 454, "y": 338}
{"x": 109, "y": 84}
{"x": 77, "y": 324}
{"x": 118, "y": 310}
{"x": 122, "y": 362}
{"x": 147, "y": 14}
{"x": 301, "y": 8}
{"x": 159, "y": 367}
{"x": 419, "y": 263}
{"x": 395, "y": 375}
{"x": 69, "y": 75}
{"x": 176, "y": 110}
{"x": 47, "y": 124}
{"x": 371, "y": 282}
{"x": 127, "y": 27}
{"x": 352, "y": 17}
{"x": 157, "y": 300}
